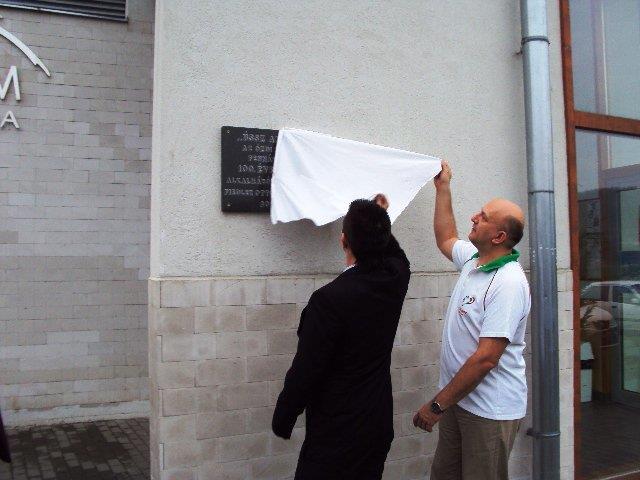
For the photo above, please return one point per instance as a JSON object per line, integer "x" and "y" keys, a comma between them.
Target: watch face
{"x": 435, "y": 408}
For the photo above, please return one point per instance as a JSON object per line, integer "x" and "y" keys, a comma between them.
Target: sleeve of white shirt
{"x": 505, "y": 307}
{"x": 462, "y": 252}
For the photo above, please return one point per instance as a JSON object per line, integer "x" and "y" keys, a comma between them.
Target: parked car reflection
{"x": 621, "y": 297}
{"x": 609, "y": 317}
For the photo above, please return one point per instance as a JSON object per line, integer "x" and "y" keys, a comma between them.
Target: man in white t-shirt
{"x": 483, "y": 390}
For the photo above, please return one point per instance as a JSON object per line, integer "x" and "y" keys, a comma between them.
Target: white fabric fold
{"x": 317, "y": 176}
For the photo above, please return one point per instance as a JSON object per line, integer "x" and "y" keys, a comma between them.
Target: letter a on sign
{"x": 13, "y": 76}
{"x": 10, "y": 118}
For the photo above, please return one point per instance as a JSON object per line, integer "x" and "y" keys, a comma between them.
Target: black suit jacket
{"x": 341, "y": 370}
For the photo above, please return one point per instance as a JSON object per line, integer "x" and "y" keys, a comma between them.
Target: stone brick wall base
{"x": 218, "y": 352}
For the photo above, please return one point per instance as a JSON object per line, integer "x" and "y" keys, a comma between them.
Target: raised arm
{"x": 393, "y": 248}
{"x": 444, "y": 223}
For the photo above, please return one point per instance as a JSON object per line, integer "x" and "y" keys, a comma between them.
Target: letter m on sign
{"x": 12, "y": 77}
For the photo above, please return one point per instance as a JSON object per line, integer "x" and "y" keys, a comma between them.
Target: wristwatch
{"x": 436, "y": 408}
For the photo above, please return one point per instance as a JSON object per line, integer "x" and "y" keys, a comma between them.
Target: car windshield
{"x": 591, "y": 292}
{"x": 626, "y": 293}
{"x": 629, "y": 293}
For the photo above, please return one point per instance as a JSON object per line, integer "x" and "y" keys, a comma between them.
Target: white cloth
{"x": 317, "y": 176}
{"x": 487, "y": 304}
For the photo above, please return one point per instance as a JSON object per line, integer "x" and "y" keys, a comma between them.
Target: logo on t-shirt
{"x": 467, "y": 300}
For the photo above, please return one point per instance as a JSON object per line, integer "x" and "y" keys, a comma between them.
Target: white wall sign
{"x": 12, "y": 78}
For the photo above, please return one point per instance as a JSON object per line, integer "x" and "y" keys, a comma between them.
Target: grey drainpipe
{"x": 542, "y": 241}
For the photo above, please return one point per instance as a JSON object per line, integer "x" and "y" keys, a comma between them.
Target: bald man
{"x": 482, "y": 393}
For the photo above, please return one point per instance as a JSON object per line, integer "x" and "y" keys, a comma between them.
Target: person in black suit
{"x": 5, "y": 452}
{"x": 340, "y": 373}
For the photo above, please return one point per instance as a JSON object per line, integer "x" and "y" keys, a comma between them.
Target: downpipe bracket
{"x": 535, "y": 38}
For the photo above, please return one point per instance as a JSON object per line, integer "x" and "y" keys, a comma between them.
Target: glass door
{"x": 608, "y": 168}
{"x": 601, "y": 70}
{"x": 622, "y": 187}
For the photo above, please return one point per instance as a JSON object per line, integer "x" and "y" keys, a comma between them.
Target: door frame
{"x": 584, "y": 121}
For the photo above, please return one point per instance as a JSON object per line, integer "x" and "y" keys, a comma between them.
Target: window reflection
{"x": 605, "y": 49}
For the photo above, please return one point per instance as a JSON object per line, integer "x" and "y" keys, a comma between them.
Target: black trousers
{"x": 364, "y": 463}
{"x": 5, "y": 454}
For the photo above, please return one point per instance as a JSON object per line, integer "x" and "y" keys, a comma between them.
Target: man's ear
{"x": 343, "y": 241}
{"x": 499, "y": 238}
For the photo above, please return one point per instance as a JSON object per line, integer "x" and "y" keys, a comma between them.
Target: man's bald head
{"x": 509, "y": 217}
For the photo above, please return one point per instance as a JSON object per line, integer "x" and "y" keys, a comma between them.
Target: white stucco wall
{"x": 442, "y": 78}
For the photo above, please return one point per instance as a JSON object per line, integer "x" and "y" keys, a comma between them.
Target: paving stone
{"x": 105, "y": 450}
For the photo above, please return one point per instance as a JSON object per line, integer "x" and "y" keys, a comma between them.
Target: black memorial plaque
{"x": 247, "y": 165}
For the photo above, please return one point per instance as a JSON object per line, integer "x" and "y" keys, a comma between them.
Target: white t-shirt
{"x": 488, "y": 301}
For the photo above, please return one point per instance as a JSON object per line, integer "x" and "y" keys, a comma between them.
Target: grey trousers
{"x": 472, "y": 447}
